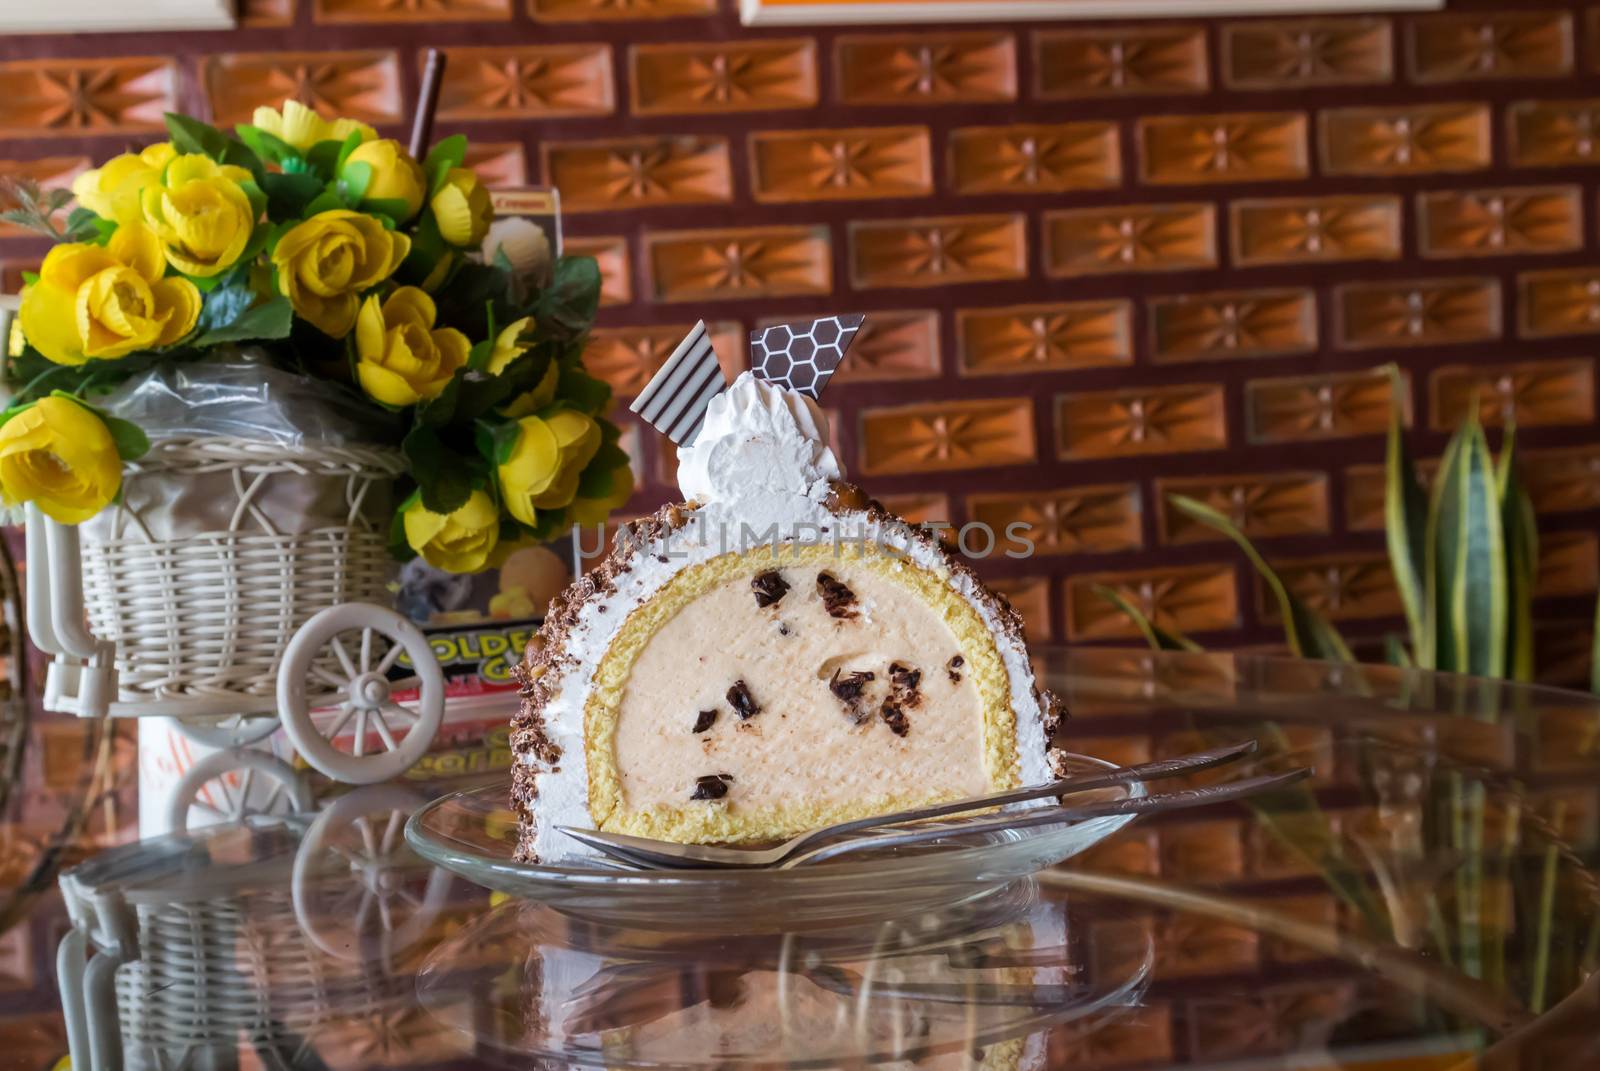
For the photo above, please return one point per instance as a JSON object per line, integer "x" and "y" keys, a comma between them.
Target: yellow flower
{"x": 395, "y": 175}
{"x": 303, "y": 128}
{"x": 201, "y": 214}
{"x": 459, "y": 542}
{"x": 550, "y": 453}
{"x": 402, "y": 358}
{"x": 462, "y": 208}
{"x": 60, "y": 455}
{"x": 596, "y": 510}
{"x": 326, "y": 262}
{"x": 513, "y": 602}
{"x": 112, "y": 190}
{"x": 107, "y": 302}
{"x": 507, "y": 349}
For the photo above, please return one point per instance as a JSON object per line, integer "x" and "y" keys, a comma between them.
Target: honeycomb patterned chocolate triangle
{"x": 802, "y": 356}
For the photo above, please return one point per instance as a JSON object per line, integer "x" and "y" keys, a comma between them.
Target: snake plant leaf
{"x": 1310, "y": 635}
{"x": 1521, "y": 530}
{"x": 1394, "y": 651}
{"x": 1159, "y": 639}
{"x": 1467, "y": 582}
{"x": 1405, "y": 513}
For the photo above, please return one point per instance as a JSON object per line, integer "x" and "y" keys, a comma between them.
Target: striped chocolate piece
{"x": 802, "y": 356}
{"x": 674, "y": 401}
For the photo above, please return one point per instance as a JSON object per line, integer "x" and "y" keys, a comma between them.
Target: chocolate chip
{"x": 742, "y": 702}
{"x": 894, "y": 717}
{"x": 848, "y": 688}
{"x": 837, "y": 599}
{"x": 783, "y": 628}
{"x": 951, "y": 667}
{"x": 769, "y": 587}
{"x": 705, "y": 720}
{"x": 904, "y": 677}
{"x": 711, "y": 786}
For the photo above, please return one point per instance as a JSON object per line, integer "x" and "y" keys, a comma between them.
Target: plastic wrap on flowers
{"x": 260, "y": 502}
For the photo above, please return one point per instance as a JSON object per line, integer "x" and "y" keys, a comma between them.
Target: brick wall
{"x": 1102, "y": 260}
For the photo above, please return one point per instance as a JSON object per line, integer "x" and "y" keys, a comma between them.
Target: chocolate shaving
{"x": 904, "y": 677}
{"x": 711, "y": 787}
{"x": 894, "y": 717}
{"x": 837, "y": 599}
{"x": 742, "y": 702}
{"x": 770, "y": 587}
{"x": 952, "y": 668}
{"x": 848, "y": 688}
{"x": 705, "y": 720}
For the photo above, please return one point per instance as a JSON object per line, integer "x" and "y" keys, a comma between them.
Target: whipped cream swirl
{"x": 759, "y": 441}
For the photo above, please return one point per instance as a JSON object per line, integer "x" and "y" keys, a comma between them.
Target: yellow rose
{"x": 459, "y": 542}
{"x": 550, "y": 453}
{"x": 326, "y": 262}
{"x": 94, "y": 302}
{"x": 402, "y": 358}
{"x": 201, "y": 214}
{"x": 303, "y": 128}
{"x": 462, "y": 208}
{"x": 595, "y": 510}
{"x": 395, "y": 175}
{"x": 60, "y": 455}
{"x": 112, "y": 191}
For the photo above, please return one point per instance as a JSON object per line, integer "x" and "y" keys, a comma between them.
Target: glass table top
{"x": 1429, "y": 901}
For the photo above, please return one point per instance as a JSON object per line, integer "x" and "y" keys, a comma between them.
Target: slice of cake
{"x": 775, "y": 654}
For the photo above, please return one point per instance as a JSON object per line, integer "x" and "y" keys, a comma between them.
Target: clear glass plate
{"x": 474, "y": 833}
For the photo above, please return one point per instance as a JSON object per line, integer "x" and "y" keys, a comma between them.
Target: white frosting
{"x": 759, "y": 441}
{"x": 761, "y": 460}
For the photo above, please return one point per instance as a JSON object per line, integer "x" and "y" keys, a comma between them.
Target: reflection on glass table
{"x": 1428, "y": 901}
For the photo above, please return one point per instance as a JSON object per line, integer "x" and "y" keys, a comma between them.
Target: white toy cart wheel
{"x": 231, "y": 785}
{"x": 365, "y": 642}
{"x": 355, "y": 881}
{"x": 235, "y": 730}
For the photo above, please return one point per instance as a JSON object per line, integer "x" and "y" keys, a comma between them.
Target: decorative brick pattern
{"x": 945, "y": 436}
{"x": 1292, "y": 54}
{"x": 359, "y": 85}
{"x": 750, "y": 262}
{"x": 1291, "y": 230}
{"x": 1099, "y": 62}
{"x": 1478, "y": 45}
{"x": 45, "y": 98}
{"x": 1530, "y": 393}
{"x": 1263, "y": 506}
{"x": 1082, "y": 520}
{"x": 911, "y": 68}
{"x": 693, "y": 77}
{"x": 938, "y": 252}
{"x": 1560, "y": 302}
{"x": 1419, "y": 312}
{"x": 1339, "y": 587}
{"x": 1035, "y": 159}
{"x": 1131, "y": 238}
{"x": 840, "y": 165}
{"x": 536, "y": 81}
{"x": 1153, "y": 420}
{"x": 1480, "y": 223}
{"x": 1239, "y": 147}
{"x": 1404, "y": 139}
{"x": 1257, "y": 323}
{"x": 632, "y": 172}
{"x": 1101, "y": 261}
{"x": 1082, "y": 334}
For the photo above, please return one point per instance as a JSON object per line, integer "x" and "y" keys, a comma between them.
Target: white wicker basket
{"x": 220, "y": 548}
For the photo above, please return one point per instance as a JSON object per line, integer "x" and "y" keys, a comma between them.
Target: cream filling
{"x": 806, "y": 742}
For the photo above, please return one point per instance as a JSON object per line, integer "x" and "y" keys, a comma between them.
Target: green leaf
{"x": 324, "y": 158}
{"x": 266, "y": 145}
{"x": 584, "y": 391}
{"x": 596, "y": 481}
{"x": 444, "y": 478}
{"x": 1405, "y": 514}
{"x": 448, "y": 153}
{"x": 224, "y": 306}
{"x": 237, "y": 154}
{"x": 351, "y": 142}
{"x": 1394, "y": 651}
{"x": 567, "y": 306}
{"x": 288, "y": 193}
{"x": 496, "y": 439}
{"x": 326, "y": 201}
{"x": 29, "y": 278}
{"x": 1158, "y": 638}
{"x": 272, "y": 319}
{"x": 391, "y": 208}
{"x": 353, "y": 182}
{"x": 1310, "y": 635}
{"x": 130, "y": 439}
{"x": 399, "y": 546}
{"x": 478, "y": 356}
{"x": 193, "y": 136}
{"x": 1466, "y": 585}
{"x": 1520, "y": 528}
